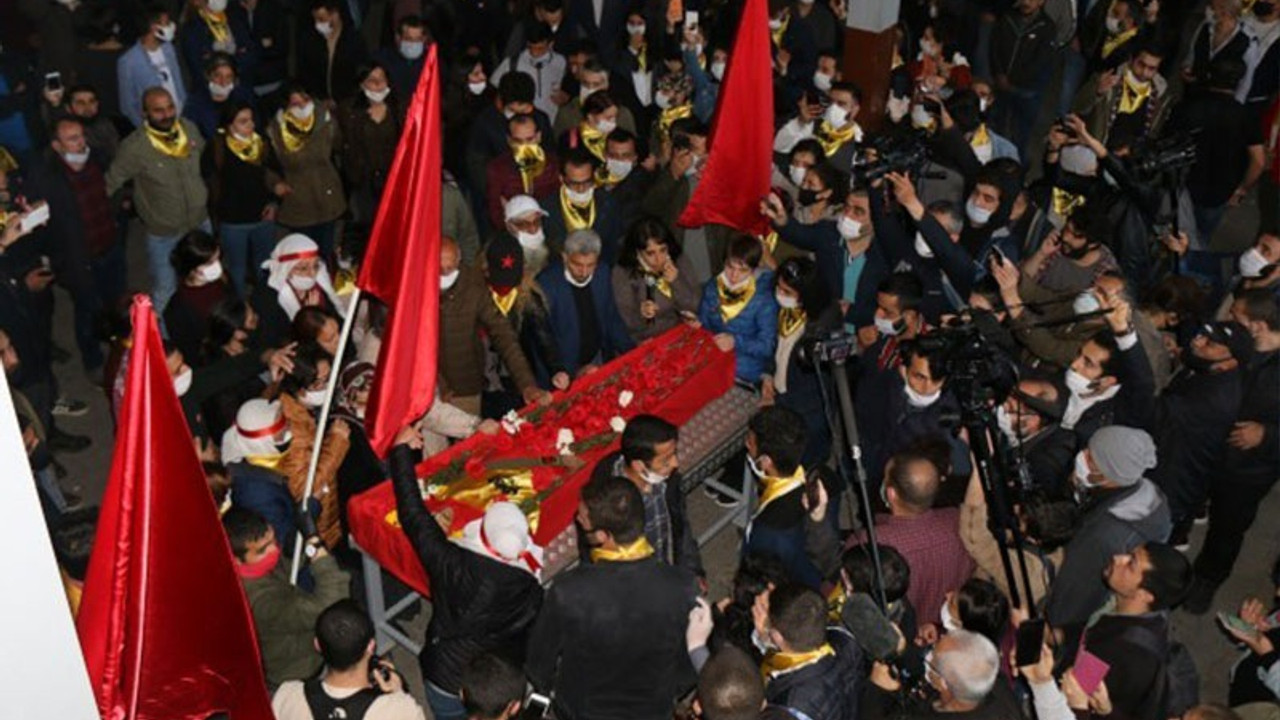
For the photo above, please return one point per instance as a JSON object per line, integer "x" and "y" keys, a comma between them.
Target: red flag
{"x": 741, "y": 157}
{"x": 402, "y": 269}
{"x": 164, "y": 625}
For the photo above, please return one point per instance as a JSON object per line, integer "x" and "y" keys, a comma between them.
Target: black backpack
{"x": 1178, "y": 685}
{"x": 324, "y": 707}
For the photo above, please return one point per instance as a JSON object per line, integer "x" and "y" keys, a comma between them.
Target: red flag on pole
{"x": 402, "y": 269}
{"x": 164, "y": 625}
{"x": 740, "y": 162}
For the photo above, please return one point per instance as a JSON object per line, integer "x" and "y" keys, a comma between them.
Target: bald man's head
{"x": 450, "y": 255}
{"x": 158, "y": 107}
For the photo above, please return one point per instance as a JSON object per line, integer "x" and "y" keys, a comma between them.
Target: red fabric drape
{"x": 164, "y": 625}
{"x": 739, "y": 166}
{"x": 402, "y": 269}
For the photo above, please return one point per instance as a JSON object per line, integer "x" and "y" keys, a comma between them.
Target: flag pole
{"x": 332, "y": 386}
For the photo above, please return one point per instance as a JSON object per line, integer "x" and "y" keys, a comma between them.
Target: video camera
{"x": 979, "y": 374}
{"x": 886, "y": 154}
{"x": 1173, "y": 153}
{"x": 837, "y": 347}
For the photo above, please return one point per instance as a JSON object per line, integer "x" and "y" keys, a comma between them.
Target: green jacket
{"x": 285, "y": 618}
{"x": 169, "y": 193}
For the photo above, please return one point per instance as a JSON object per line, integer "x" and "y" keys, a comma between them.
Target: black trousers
{"x": 1233, "y": 505}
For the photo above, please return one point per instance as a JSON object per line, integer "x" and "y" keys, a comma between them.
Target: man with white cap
{"x": 485, "y": 592}
{"x": 1121, "y": 509}
{"x": 296, "y": 278}
{"x": 523, "y": 217}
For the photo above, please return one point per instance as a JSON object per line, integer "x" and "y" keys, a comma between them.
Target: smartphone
{"x": 1235, "y": 623}
{"x": 38, "y": 216}
{"x": 1000, "y": 254}
{"x": 536, "y": 707}
{"x": 53, "y": 81}
{"x": 690, "y": 19}
{"x": 1030, "y": 642}
{"x": 1090, "y": 670}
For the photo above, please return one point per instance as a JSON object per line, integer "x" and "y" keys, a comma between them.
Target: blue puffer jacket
{"x": 754, "y": 330}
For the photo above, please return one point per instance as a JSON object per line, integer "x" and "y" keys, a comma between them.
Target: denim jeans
{"x": 443, "y": 705}
{"x": 164, "y": 281}
{"x": 246, "y": 242}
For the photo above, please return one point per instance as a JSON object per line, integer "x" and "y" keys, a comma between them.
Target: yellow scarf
{"x": 833, "y": 139}
{"x": 1064, "y": 202}
{"x": 642, "y": 57}
{"x": 835, "y": 602}
{"x": 638, "y": 550}
{"x": 777, "y": 34}
{"x": 775, "y": 487}
{"x": 577, "y": 217}
{"x": 670, "y": 115}
{"x": 592, "y": 139}
{"x": 249, "y": 150}
{"x": 980, "y": 136}
{"x": 1132, "y": 94}
{"x": 173, "y": 143}
{"x": 733, "y": 302}
{"x": 217, "y": 23}
{"x": 270, "y": 462}
{"x": 505, "y": 302}
{"x": 789, "y": 321}
{"x": 531, "y": 161}
{"x": 770, "y": 240}
{"x": 294, "y": 132}
{"x": 7, "y": 162}
{"x": 778, "y": 663}
{"x": 1115, "y": 41}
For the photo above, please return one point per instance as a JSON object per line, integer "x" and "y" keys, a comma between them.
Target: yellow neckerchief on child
{"x": 777, "y": 34}
{"x": 789, "y": 321}
{"x": 507, "y": 301}
{"x": 173, "y": 143}
{"x": 531, "y": 160}
{"x": 217, "y": 24}
{"x": 1114, "y": 42}
{"x": 1064, "y": 202}
{"x": 777, "y": 663}
{"x": 832, "y": 139}
{"x": 638, "y": 550}
{"x": 249, "y": 150}
{"x": 776, "y": 487}
{"x": 294, "y": 132}
{"x": 577, "y": 217}
{"x": 670, "y": 115}
{"x": 592, "y": 139}
{"x": 1132, "y": 94}
{"x": 733, "y": 302}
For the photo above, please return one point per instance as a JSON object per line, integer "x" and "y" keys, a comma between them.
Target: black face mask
{"x": 1076, "y": 253}
{"x": 807, "y": 197}
{"x": 1197, "y": 363}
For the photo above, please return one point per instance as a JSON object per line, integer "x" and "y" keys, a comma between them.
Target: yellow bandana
{"x": 296, "y": 132}
{"x": 1132, "y": 94}
{"x": 733, "y": 302}
{"x": 270, "y": 462}
{"x": 777, "y": 34}
{"x": 638, "y": 550}
{"x": 505, "y": 302}
{"x": 7, "y": 162}
{"x": 671, "y": 115}
{"x": 642, "y": 58}
{"x": 1064, "y": 202}
{"x": 775, "y": 487}
{"x": 980, "y": 136}
{"x": 592, "y": 139}
{"x": 173, "y": 143}
{"x": 1115, "y": 41}
{"x": 770, "y": 240}
{"x": 217, "y": 23}
{"x": 835, "y": 602}
{"x": 531, "y": 161}
{"x": 577, "y": 217}
{"x": 789, "y": 321}
{"x": 833, "y": 139}
{"x": 249, "y": 151}
{"x": 778, "y": 663}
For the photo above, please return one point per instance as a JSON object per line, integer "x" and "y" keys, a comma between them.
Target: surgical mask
{"x": 922, "y": 247}
{"x": 378, "y": 95}
{"x": 411, "y": 50}
{"x": 448, "y": 279}
{"x": 582, "y": 197}
{"x": 635, "y": 28}
{"x": 217, "y": 6}
{"x": 182, "y": 381}
{"x": 1077, "y": 383}
{"x": 77, "y": 160}
{"x": 1113, "y": 25}
{"x": 885, "y": 326}
{"x": 920, "y": 116}
{"x": 1082, "y": 471}
{"x": 836, "y": 116}
{"x": 619, "y": 169}
{"x": 606, "y": 126}
{"x": 285, "y": 442}
{"x": 977, "y": 215}
{"x": 983, "y": 104}
{"x": 797, "y": 173}
{"x": 775, "y": 24}
{"x": 717, "y": 69}
{"x": 220, "y": 92}
{"x": 695, "y": 166}
{"x": 302, "y": 283}
{"x": 302, "y": 112}
{"x": 211, "y": 272}
{"x": 949, "y": 622}
{"x": 929, "y": 47}
{"x": 662, "y": 100}
{"x": 915, "y": 399}
{"x": 313, "y": 398}
{"x": 576, "y": 282}
{"x": 724, "y": 277}
{"x": 1252, "y": 262}
{"x": 508, "y": 113}
{"x": 848, "y": 227}
{"x": 165, "y": 33}
{"x": 242, "y": 138}
{"x": 477, "y": 88}
{"x": 786, "y": 301}
{"x": 822, "y": 81}
{"x": 652, "y": 477}
{"x": 531, "y": 241}
{"x": 1005, "y": 421}
{"x": 755, "y": 467}
{"x": 1086, "y": 302}
{"x": 324, "y": 28}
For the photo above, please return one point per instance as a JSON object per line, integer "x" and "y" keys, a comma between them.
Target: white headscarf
{"x": 253, "y": 433}
{"x": 284, "y": 257}
{"x": 503, "y": 534}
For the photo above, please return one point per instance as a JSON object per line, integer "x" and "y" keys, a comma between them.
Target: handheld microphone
{"x": 650, "y": 282}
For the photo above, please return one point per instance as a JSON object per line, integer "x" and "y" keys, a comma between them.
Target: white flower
{"x": 625, "y": 397}
{"x": 564, "y": 441}
{"x": 617, "y": 424}
{"x": 511, "y": 422}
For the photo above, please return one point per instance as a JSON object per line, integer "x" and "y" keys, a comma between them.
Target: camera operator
{"x": 356, "y": 684}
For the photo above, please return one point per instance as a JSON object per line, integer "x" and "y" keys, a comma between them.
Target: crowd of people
{"x": 1041, "y": 183}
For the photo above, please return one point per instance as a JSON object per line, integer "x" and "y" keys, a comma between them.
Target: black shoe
{"x": 1200, "y": 599}
{"x": 1180, "y": 538}
{"x": 60, "y": 441}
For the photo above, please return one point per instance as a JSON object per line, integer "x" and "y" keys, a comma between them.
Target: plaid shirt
{"x": 657, "y": 517}
{"x": 90, "y": 189}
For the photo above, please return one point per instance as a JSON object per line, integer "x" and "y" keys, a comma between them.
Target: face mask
{"x": 448, "y": 279}
{"x": 1077, "y": 383}
{"x": 885, "y": 326}
{"x": 848, "y": 227}
{"x": 376, "y": 97}
{"x": 786, "y": 301}
{"x": 929, "y": 47}
{"x": 724, "y": 278}
{"x": 635, "y": 28}
{"x": 182, "y": 382}
{"x": 211, "y": 272}
{"x": 261, "y": 567}
{"x": 920, "y": 116}
{"x": 77, "y": 160}
{"x": 1082, "y": 471}
{"x": 302, "y": 283}
{"x": 775, "y": 24}
{"x": 695, "y": 167}
{"x": 1085, "y": 302}
{"x": 580, "y": 198}
{"x": 807, "y": 197}
{"x": 619, "y": 169}
{"x": 1113, "y": 25}
{"x": 607, "y": 126}
{"x": 922, "y": 247}
{"x": 1005, "y": 421}
{"x": 313, "y": 398}
{"x": 652, "y": 477}
{"x": 983, "y": 104}
{"x": 477, "y": 88}
{"x": 822, "y": 81}
{"x": 576, "y": 282}
{"x": 302, "y": 112}
{"x": 220, "y": 92}
{"x": 662, "y": 100}
{"x": 217, "y": 6}
{"x": 165, "y": 33}
{"x": 836, "y": 116}
{"x": 1251, "y": 263}
{"x": 411, "y": 50}
{"x": 949, "y": 622}
{"x": 324, "y": 28}
{"x": 717, "y": 69}
{"x": 977, "y": 215}
{"x": 508, "y": 113}
{"x": 916, "y": 400}
{"x": 797, "y": 173}
{"x": 755, "y": 467}
{"x": 531, "y": 241}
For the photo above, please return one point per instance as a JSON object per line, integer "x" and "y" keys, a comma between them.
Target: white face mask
{"x": 885, "y": 326}
{"x": 848, "y": 227}
{"x": 1081, "y": 471}
{"x": 786, "y": 301}
{"x": 724, "y": 278}
{"x": 755, "y": 467}
{"x": 922, "y": 247}
{"x": 1085, "y": 302}
{"x": 77, "y": 160}
{"x": 836, "y": 116}
{"x": 1113, "y": 25}
{"x": 916, "y": 400}
{"x": 984, "y": 152}
{"x": 477, "y": 88}
{"x": 324, "y": 28}
{"x": 242, "y": 138}
{"x": 378, "y": 96}
{"x": 662, "y": 100}
{"x": 775, "y": 23}
{"x": 977, "y": 215}
{"x": 182, "y": 381}
{"x": 580, "y": 198}
{"x": 1077, "y": 383}
{"x": 619, "y": 169}
{"x": 576, "y": 282}
{"x": 797, "y": 173}
{"x": 1252, "y": 262}
{"x": 302, "y": 283}
{"x": 531, "y": 241}
{"x": 1005, "y": 421}
{"x": 652, "y": 477}
{"x": 717, "y": 69}
{"x": 211, "y": 272}
{"x": 302, "y": 112}
{"x": 448, "y": 279}
{"x": 217, "y": 6}
{"x": 607, "y": 126}
{"x": 411, "y": 50}
{"x": 313, "y": 398}
{"x": 822, "y": 81}
{"x": 221, "y": 92}
{"x": 929, "y": 47}
{"x": 635, "y": 28}
{"x": 165, "y": 33}
{"x": 949, "y": 622}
